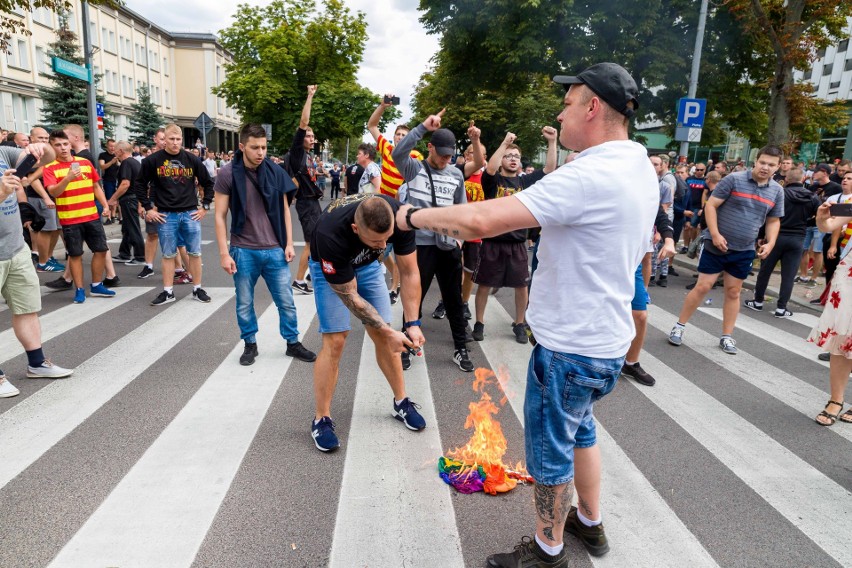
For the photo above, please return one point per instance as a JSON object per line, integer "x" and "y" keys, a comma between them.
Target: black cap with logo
{"x": 444, "y": 142}
{"x": 609, "y": 81}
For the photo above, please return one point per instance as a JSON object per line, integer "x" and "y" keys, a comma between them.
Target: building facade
{"x": 180, "y": 69}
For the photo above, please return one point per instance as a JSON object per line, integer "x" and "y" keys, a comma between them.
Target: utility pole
{"x": 91, "y": 96}
{"x": 696, "y": 64}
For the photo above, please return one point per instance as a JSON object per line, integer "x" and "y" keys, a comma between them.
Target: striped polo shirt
{"x": 77, "y": 203}
{"x": 391, "y": 178}
{"x": 745, "y": 209}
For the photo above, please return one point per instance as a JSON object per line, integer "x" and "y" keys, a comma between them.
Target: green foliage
{"x": 10, "y": 24}
{"x": 145, "y": 120}
{"x": 65, "y": 101}
{"x": 280, "y": 49}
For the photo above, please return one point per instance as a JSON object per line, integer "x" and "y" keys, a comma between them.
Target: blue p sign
{"x": 690, "y": 112}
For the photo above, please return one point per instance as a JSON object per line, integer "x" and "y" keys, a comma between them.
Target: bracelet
{"x": 408, "y": 216}
{"x": 413, "y": 323}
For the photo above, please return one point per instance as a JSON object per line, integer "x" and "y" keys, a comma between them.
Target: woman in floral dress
{"x": 833, "y": 332}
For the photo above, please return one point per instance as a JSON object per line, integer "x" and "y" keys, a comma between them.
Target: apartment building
{"x": 180, "y": 69}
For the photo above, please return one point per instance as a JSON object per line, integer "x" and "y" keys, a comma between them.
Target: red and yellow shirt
{"x": 77, "y": 203}
{"x": 391, "y": 178}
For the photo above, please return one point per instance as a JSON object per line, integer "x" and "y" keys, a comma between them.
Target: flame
{"x": 487, "y": 444}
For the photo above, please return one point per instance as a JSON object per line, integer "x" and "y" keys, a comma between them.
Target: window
{"x": 843, "y": 46}
{"x": 93, "y": 33}
{"x": 154, "y": 58}
{"x": 827, "y": 69}
{"x": 19, "y": 57}
{"x": 834, "y": 85}
{"x": 72, "y": 21}
{"x": 105, "y": 38}
{"x": 848, "y": 66}
{"x": 808, "y": 74}
{"x": 112, "y": 42}
{"x": 43, "y": 16}
{"x": 165, "y": 66}
{"x": 821, "y": 53}
{"x": 42, "y": 65}
{"x": 166, "y": 100}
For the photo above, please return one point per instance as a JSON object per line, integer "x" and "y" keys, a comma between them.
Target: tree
{"x": 145, "y": 119}
{"x": 65, "y": 101}
{"x": 10, "y": 25}
{"x": 280, "y": 49}
{"x": 791, "y": 32}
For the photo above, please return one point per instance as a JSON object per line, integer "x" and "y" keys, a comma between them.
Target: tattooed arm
{"x": 364, "y": 311}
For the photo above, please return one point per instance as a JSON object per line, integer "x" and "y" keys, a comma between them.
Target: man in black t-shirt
{"x": 132, "y": 247}
{"x": 503, "y": 260}
{"x": 108, "y": 163}
{"x": 353, "y": 177}
{"x": 350, "y": 238}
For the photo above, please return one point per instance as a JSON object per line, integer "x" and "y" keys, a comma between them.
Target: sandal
{"x": 846, "y": 416}
{"x": 832, "y": 417}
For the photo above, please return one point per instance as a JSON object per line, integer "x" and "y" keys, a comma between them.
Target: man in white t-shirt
{"x": 371, "y": 179}
{"x": 581, "y": 338}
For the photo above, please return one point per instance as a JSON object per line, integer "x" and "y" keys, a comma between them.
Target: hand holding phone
{"x": 841, "y": 209}
{"x": 26, "y": 166}
{"x": 391, "y": 100}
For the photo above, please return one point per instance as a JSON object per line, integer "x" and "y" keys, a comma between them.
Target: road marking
{"x": 771, "y": 334}
{"x": 34, "y": 425}
{"x": 402, "y": 502}
{"x": 801, "y": 493}
{"x": 631, "y": 527}
{"x": 159, "y": 514}
{"x": 65, "y": 319}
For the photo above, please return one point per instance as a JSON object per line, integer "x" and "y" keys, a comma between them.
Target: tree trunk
{"x": 779, "y": 106}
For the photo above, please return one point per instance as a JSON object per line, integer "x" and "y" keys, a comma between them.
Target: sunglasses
{"x": 511, "y": 157}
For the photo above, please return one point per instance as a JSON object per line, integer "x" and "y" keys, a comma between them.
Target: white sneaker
{"x": 7, "y": 390}
{"x": 48, "y": 370}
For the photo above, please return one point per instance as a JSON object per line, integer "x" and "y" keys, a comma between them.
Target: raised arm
{"x": 497, "y": 158}
{"x": 306, "y": 110}
{"x": 470, "y": 168}
{"x": 373, "y": 123}
{"x": 549, "y": 134}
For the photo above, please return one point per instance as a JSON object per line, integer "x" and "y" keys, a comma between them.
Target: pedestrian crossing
{"x": 719, "y": 464}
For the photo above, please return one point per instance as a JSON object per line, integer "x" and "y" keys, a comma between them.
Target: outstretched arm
{"x": 373, "y": 123}
{"x": 306, "y": 110}
{"x": 478, "y": 162}
{"x": 549, "y": 134}
{"x": 497, "y": 158}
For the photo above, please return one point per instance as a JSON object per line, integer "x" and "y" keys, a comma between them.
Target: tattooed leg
{"x": 551, "y": 506}
{"x": 587, "y": 480}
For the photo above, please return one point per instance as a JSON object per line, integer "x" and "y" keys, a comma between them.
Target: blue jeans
{"x": 176, "y": 227}
{"x": 561, "y": 392}
{"x": 272, "y": 266}
{"x": 332, "y": 314}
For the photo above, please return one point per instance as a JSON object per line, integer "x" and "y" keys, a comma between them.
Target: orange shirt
{"x": 391, "y": 178}
{"x": 77, "y": 203}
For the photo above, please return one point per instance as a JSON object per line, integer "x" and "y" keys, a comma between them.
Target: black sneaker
{"x": 753, "y": 305}
{"x": 163, "y": 298}
{"x": 249, "y": 353}
{"x": 59, "y": 284}
{"x": 462, "y": 359}
{"x": 690, "y": 286}
{"x": 468, "y": 336}
{"x": 520, "y": 331}
{"x": 406, "y": 412}
{"x": 112, "y": 282}
{"x": 393, "y": 297}
{"x": 467, "y": 314}
{"x": 683, "y": 250}
{"x": 303, "y": 288}
{"x": 593, "y": 538}
{"x": 201, "y": 296}
{"x": 662, "y": 281}
{"x": 824, "y": 356}
{"x": 440, "y": 312}
{"x": 119, "y": 258}
{"x": 300, "y": 352}
{"x": 406, "y": 360}
{"x": 528, "y": 554}
{"x": 637, "y": 373}
{"x": 673, "y": 272}
{"x": 478, "y": 331}
{"x": 146, "y": 272}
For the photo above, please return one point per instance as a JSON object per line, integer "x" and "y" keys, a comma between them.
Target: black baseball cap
{"x": 444, "y": 142}
{"x": 823, "y": 168}
{"x": 609, "y": 81}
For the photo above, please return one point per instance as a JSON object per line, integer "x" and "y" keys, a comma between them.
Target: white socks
{"x": 585, "y": 521}
{"x": 551, "y": 550}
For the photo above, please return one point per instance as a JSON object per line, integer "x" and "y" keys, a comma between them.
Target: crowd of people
{"x": 399, "y": 219}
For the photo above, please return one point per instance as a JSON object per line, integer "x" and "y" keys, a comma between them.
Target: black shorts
{"x": 91, "y": 232}
{"x": 151, "y": 227}
{"x": 470, "y": 252}
{"x": 309, "y": 212}
{"x": 503, "y": 265}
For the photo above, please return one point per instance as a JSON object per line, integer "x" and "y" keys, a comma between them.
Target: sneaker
{"x": 131, "y": 262}
{"x": 520, "y": 331}
{"x": 146, "y": 272}
{"x": 468, "y": 336}
{"x": 79, "y": 296}
{"x": 797, "y": 279}
{"x": 393, "y": 297}
{"x": 728, "y": 345}
{"x": 407, "y": 413}
{"x": 323, "y": 434}
{"x": 101, "y": 291}
{"x": 405, "y": 356}
{"x": 593, "y": 538}
{"x": 673, "y": 272}
{"x": 462, "y": 359}
{"x": 690, "y": 286}
{"x": 249, "y": 353}
{"x": 200, "y": 295}
{"x": 7, "y": 389}
{"x": 47, "y": 267}
{"x": 303, "y": 288}
{"x": 676, "y": 335}
{"x": 783, "y": 313}
{"x": 467, "y": 314}
{"x": 183, "y": 277}
{"x": 59, "y": 284}
{"x": 48, "y": 370}
{"x": 56, "y": 263}
{"x": 112, "y": 282}
{"x": 824, "y": 356}
{"x": 440, "y": 312}
{"x": 163, "y": 298}
{"x": 683, "y": 250}
{"x": 300, "y": 352}
{"x": 528, "y": 554}
{"x": 119, "y": 258}
{"x": 753, "y": 305}
{"x": 652, "y": 283}
{"x": 638, "y": 374}
{"x": 662, "y": 281}
{"x": 478, "y": 331}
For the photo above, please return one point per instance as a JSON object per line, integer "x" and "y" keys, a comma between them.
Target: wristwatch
{"x": 415, "y": 323}
{"x": 205, "y": 206}
{"x": 408, "y": 217}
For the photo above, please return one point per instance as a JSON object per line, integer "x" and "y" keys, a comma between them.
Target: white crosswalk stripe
{"x": 387, "y": 506}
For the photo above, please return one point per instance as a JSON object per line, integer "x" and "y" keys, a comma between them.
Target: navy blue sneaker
{"x": 406, "y": 412}
{"x": 323, "y": 433}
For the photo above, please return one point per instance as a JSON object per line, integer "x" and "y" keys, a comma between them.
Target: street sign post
{"x": 690, "y": 119}
{"x": 64, "y": 67}
{"x": 204, "y": 124}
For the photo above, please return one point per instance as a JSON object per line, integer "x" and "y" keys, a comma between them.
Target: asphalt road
{"x": 162, "y": 451}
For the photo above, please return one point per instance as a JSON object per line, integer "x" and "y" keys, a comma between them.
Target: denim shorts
{"x": 333, "y": 315}
{"x": 737, "y": 263}
{"x": 179, "y": 226}
{"x": 813, "y": 236}
{"x": 558, "y": 410}
{"x": 640, "y": 293}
